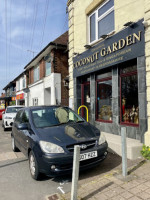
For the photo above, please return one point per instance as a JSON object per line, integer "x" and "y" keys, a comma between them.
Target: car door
{"x": 15, "y": 130}
{"x": 24, "y": 134}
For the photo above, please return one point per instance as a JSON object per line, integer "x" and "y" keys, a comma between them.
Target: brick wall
{"x": 42, "y": 69}
{"x": 31, "y": 76}
{"x": 61, "y": 66}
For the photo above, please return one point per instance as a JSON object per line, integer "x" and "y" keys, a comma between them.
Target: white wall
{"x": 38, "y": 90}
{"x": 54, "y": 82}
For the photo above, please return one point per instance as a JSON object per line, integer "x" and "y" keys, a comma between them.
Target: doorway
{"x": 86, "y": 100}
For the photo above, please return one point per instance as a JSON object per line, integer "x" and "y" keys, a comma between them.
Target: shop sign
{"x": 123, "y": 46}
{"x": 13, "y": 98}
{"x": 20, "y": 96}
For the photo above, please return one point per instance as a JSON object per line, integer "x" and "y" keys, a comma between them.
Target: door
{"x": 86, "y": 100}
{"x": 24, "y": 134}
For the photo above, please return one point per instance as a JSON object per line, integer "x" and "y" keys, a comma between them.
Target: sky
{"x": 26, "y": 27}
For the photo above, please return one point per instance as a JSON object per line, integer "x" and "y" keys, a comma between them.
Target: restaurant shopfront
{"x": 110, "y": 79}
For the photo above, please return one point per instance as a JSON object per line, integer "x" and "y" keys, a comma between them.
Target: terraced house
{"x": 47, "y": 75}
{"x": 109, "y": 67}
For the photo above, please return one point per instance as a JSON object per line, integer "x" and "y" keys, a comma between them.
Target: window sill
{"x": 105, "y": 121}
{"x": 129, "y": 124}
{"x": 95, "y": 42}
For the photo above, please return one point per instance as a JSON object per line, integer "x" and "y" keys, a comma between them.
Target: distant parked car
{"x": 8, "y": 116}
{"x": 1, "y": 110}
{"x": 47, "y": 136}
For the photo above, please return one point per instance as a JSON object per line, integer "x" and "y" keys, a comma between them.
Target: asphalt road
{"x": 17, "y": 184}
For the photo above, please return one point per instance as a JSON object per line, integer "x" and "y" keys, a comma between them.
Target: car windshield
{"x": 53, "y": 116}
{"x": 12, "y": 109}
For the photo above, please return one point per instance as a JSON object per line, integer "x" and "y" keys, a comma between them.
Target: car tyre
{"x": 14, "y": 148}
{"x": 4, "y": 128}
{"x": 33, "y": 166}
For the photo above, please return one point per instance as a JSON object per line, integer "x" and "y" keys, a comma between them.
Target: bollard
{"x": 124, "y": 151}
{"x": 75, "y": 173}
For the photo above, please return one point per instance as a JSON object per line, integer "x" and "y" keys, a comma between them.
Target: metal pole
{"x": 124, "y": 151}
{"x": 75, "y": 173}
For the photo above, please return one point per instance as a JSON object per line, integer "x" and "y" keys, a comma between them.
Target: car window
{"x": 25, "y": 117}
{"x": 12, "y": 109}
{"x": 53, "y": 116}
{"x": 19, "y": 116}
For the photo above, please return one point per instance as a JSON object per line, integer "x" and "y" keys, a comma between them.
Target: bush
{"x": 146, "y": 152}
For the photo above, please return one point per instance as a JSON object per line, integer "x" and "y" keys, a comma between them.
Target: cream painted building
{"x": 109, "y": 65}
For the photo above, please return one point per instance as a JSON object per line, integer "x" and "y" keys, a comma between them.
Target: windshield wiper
{"x": 79, "y": 121}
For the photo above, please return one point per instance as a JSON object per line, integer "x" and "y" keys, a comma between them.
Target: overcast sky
{"x": 27, "y": 26}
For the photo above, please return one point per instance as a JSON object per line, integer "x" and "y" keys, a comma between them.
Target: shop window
{"x": 129, "y": 96}
{"x": 101, "y": 21}
{"x": 104, "y": 98}
{"x": 36, "y": 73}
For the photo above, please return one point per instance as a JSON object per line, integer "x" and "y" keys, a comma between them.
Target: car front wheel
{"x": 4, "y": 127}
{"x": 33, "y": 166}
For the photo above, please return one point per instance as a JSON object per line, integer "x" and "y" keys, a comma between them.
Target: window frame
{"x": 127, "y": 74}
{"x": 38, "y": 73}
{"x": 97, "y": 81}
{"x": 46, "y": 74}
{"x": 97, "y": 19}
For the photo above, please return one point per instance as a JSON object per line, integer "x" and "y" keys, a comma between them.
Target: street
{"x": 16, "y": 182}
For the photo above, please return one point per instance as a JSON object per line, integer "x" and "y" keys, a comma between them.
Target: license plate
{"x": 89, "y": 155}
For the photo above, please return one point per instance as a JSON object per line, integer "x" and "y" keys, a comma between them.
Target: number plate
{"x": 89, "y": 155}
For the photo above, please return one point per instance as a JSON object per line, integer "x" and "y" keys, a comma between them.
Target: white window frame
{"x": 35, "y": 101}
{"x": 97, "y": 19}
{"x": 38, "y": 73}
{"x": 24, "y": 82}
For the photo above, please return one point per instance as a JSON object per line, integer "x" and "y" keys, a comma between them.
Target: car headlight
{"x": 102, "y": 139}
{"x": 49, "y": 147}
{"x": 8, "y": 117}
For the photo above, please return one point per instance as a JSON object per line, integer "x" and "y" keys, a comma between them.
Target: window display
{"x": 104, "y": 100}
{"x": 129, "y": 95}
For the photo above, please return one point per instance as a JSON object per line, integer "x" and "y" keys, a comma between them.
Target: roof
{"x": 63, "y": 39}
{"x": 60, "y": 42}
{"x": 12, "y": 83}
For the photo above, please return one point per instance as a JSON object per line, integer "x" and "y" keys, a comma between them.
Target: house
{"x": 109, "y": 62}
{"x": 47, "y": 75}
{"x": 10, "y": 93}
{"x": 21, "y": 96}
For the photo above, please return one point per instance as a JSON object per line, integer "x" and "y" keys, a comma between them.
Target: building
{"x": 109, "y": 61}
{"x": 47, "y": 75}
{"x": 21, "y": 96}
{"x": 10, "y": 94}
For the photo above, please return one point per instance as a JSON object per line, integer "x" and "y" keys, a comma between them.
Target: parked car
{"x": 47, "y": 136}
{"x": 8, "y": 116}
{"x": 1, "y": 110}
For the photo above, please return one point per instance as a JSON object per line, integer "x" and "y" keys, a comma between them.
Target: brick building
{"x": 47, "y": 75}
{"x": 109, "y": 61}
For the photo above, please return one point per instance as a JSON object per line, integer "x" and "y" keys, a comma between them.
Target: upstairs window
{"x": 48, "y": 68}
{"x": 47, "y": 65}
{"x": 24, "y": 82}
{"x": 101, "y": 21}
{"x": 36, "y": 73}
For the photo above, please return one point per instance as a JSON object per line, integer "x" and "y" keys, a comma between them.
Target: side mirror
{"x": 3, "y": 112}
{"x": 23, "y": 126}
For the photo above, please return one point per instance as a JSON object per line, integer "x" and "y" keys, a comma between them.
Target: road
{"x": 17, "y": 184}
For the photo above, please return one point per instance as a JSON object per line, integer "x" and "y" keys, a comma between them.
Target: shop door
{"x": 86, "y": 100}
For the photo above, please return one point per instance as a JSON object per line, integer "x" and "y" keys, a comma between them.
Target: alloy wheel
{"x": 32, "y": 165}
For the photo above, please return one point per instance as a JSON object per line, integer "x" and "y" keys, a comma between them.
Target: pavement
{"x": 113, "y": 186}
